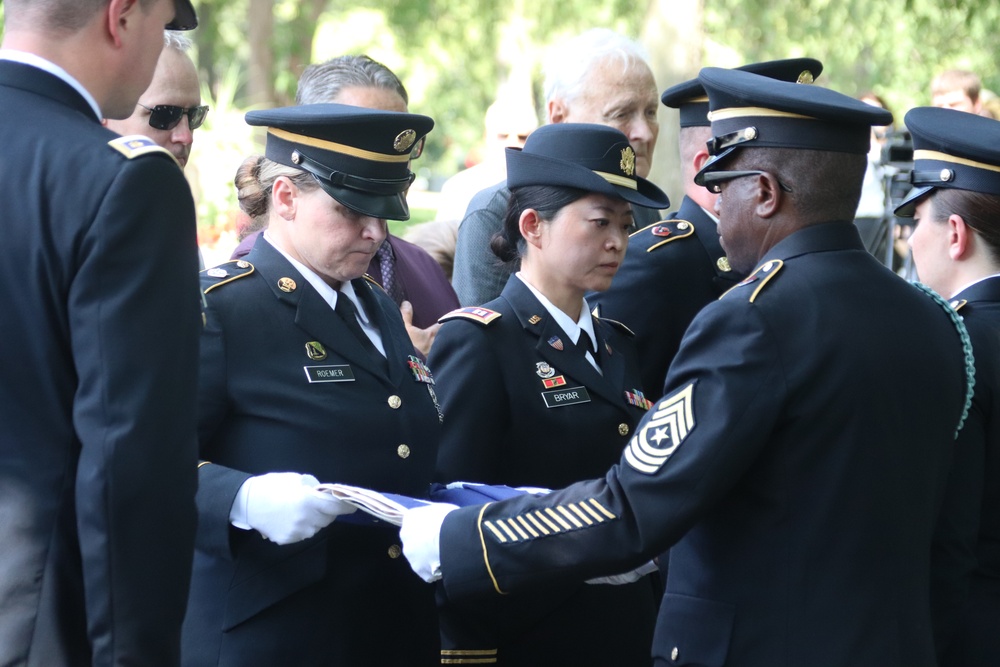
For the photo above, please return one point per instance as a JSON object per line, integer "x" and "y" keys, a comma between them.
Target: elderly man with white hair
{"x": 597, "y": 77}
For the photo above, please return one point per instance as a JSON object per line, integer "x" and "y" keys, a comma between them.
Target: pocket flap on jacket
{"x": 693, "y": 631}
{"x": 271, "y": 575}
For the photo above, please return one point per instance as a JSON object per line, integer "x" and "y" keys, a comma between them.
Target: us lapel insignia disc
{"x": 556, "y": 342}
{"x": 315, "y": 351}
{"x": 543, "y": 370}
{"x": 662, "y": 432}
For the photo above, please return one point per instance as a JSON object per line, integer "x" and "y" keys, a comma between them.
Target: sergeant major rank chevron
{"x": 659, "y": 437}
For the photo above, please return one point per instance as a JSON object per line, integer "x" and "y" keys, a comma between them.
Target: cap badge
{"x": 544, "y": 370}
{"x": 315, "y": 351}
{"x": 404, "y": 140}
{"x": 628, "y": 161}
{"x": 805, "y": 76}
{"x": 723, "y": 264}
{"x": 287, "y": 285}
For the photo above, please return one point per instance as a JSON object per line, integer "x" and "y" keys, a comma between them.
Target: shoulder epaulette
{"x": 764, "y": 273}
{"x": 477, "y": 314}
{"x": 227, "y": 273}
{"x": 134, "y": 145}
{"x": 957, "y": 304}
{"x": 667, "y": 231}
{"x": 374, "y": 282}
{"x": 618, "y": 325}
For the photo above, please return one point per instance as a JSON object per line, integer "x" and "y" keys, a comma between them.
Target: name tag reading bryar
{"x": 568, "y": 396}
{"x": 342, "y": 373}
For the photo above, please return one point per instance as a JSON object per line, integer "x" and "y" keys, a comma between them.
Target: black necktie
{"x": 583, "y": 343}
{"x": 349, "y": 314}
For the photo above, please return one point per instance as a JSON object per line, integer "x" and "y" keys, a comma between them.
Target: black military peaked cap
{"x": 184, "y": 16}
{"x": 589, "y": 157}
{"x": 691, "y": 100}
{"x": 951, "y": 149}
{"x": 359, "y": 156}
{"x": 752, "y": 111}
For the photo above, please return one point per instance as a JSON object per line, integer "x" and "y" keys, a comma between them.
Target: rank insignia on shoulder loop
{"x": 421, "y": 373}
{"x": 315, "y": 350}
{"x": 662, "y": 431}
{"x": 132, "y": 146}
{"x": 556, "y": 342}
{"x": 217, "y": 272}
{"x": 544, "y": 370}
{"x": 660, "y": 230}
{"x": 636, "y": 398}
{"x": 475, "y": 313}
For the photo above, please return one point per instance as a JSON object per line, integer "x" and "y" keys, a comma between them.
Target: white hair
{"x": 173, "y": 39}
{"x": 570, "y": 62}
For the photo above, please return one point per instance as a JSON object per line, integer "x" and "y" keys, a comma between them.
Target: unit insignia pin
{"x": 544, "y": 370}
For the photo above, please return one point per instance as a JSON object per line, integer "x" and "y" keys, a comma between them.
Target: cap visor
{"x": 387, "y": 207}
{"x": 908, "y": 206}
{"x": 185, "y": 17}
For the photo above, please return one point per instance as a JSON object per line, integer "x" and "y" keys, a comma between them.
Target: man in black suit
{"x": 676, "y": 267}
{"x": 100, "y": 325}
{"x": 795, "y": 466}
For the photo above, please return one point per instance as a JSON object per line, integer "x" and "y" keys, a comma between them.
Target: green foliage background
{"x": 453, "y": 54}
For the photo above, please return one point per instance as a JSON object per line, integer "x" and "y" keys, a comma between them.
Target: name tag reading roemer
{"x": 329, "y": 373}
{"x": 568, "y": 396}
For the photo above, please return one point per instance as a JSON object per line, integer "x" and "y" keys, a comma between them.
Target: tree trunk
{"x": 674, "y": 36}
{"x": 260, "y": 87}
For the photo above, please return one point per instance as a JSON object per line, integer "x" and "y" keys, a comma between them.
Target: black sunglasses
{"x": 167, "y": 116}
{"x": 713, "y": 180}
{"x": 418, "y": 148}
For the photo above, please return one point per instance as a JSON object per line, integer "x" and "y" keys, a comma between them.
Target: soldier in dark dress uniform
{"x": 956, "y": 251}
{"x": 795, "y": 465}
{"x": 307, "y": 376}
{"x": 538, "y": 392}
{"x": 99, "y": 325}
{"x": 676, "y": 267}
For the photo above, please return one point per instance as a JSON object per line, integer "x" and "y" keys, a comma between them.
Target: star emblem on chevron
{"x": 659, "y": 437}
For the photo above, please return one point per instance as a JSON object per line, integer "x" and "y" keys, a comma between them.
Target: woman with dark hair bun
{"x": 538, "y": 392}
{"x": 956, "y": 251}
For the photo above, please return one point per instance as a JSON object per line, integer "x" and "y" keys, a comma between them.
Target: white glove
{"x": 627, "y": 577}
{"x": 285, "y": 507}
{"x": 420, "y": 533}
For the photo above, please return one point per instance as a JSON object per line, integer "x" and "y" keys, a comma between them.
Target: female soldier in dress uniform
{"x": 956, "y": 251}
{"x": 533, "y": 370}
{"x": 308, "y": 376}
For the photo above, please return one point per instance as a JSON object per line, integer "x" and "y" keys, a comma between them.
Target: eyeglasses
{"x": 713, "y": 180}
{"x": 418, "y": 148}
{"x": 167, "y": 116}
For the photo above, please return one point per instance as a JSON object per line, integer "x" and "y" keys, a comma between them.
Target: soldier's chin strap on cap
{"x": 375, "y": 186}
